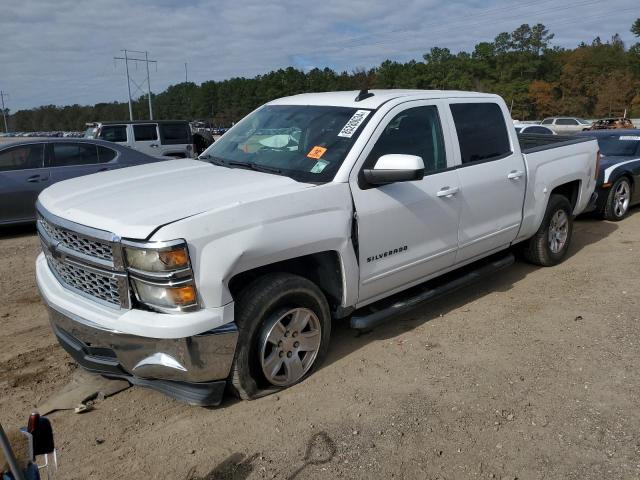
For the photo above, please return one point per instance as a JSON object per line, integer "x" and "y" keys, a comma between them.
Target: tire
{"x": 618, "y": 200}
{"x": 542, "y": 249}
{"x": 264, "y": 308}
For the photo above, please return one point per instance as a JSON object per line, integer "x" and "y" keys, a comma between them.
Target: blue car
{"x": 618, "y": 184}
{"x": 29, "y": 166}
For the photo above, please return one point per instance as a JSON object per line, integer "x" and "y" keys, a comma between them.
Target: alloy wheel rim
{"x": 621, "y": 198}
{"x": 289, "y": 346}
{"x": 558, "y": 231}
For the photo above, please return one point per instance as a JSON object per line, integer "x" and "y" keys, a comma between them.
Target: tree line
{"x": 596, "y": 79}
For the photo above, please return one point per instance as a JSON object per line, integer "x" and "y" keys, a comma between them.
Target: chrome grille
{"x": 77, "y": 242}
{"x": 85, "y": 260}
{"x": 105, "y": 287}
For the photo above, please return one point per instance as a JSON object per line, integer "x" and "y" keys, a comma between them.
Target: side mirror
{"x": 395, "y": 168}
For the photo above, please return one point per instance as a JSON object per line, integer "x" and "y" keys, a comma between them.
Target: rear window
{"x": 145, "y": 133}
{"x": 622, "y": 146}
{"x": 541, "y": 130}
{"x": 175, "y": 133}
{"x": 482, "y": 131}
{"x": 106, "y": 154}
{"x": 114, "y": 133}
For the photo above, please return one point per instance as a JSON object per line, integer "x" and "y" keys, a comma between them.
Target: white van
{"x": 162, "y": 138}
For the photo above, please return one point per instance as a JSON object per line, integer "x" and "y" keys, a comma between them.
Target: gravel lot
{"x": 531, "y": 374}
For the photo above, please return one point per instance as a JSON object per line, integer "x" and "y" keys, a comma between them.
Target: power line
{"x": 4, "y": 112}
{"x": 146, "y": 60}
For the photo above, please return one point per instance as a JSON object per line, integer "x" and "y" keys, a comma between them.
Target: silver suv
{"x": 162, "y": 138}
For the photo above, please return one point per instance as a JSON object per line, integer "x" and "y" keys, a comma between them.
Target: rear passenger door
{"x": 145, "y": 136}
{"x": 492, "y": 179}
{"x": 22, "y": 178}
{"x": 69, "y": 160}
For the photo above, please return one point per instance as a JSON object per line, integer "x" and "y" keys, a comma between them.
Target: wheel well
{"x": 570, "y": 191}
{"x": 323, "y": 269}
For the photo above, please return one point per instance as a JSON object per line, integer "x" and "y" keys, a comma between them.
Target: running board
{"x": 378, "y": 313}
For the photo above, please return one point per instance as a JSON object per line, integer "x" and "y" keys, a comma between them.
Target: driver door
{"x": 407, "y": 231}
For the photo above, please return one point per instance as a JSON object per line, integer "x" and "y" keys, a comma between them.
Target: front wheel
{"x": 284, "y": 328}
{"x": 550, "y": 244}
{"x": 617, "y": 205}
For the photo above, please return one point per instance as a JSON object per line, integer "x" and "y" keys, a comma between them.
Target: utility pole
{"x": 146, "y": 60}
{"x": 4, "y": 113}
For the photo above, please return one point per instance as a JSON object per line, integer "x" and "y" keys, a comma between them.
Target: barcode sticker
{"x": 354, "y": 122}
{"x": 629, "y": 137}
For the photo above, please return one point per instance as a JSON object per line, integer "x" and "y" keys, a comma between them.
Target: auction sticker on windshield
{"x": 629, "y": 137}
{"x": 354, "y": 122}
{"x": 316, "y": 152}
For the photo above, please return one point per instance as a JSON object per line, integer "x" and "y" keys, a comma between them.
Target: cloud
{"x": 62, "y": 52}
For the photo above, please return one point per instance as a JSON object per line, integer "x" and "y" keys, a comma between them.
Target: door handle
{"x": 153, "y": 145}
{"x": 447, "y": 192}
{"x": 33, "y": 179}
{"x": 515, "y": 174}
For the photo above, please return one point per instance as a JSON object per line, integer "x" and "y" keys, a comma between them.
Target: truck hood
{"x": 133, "y": 202}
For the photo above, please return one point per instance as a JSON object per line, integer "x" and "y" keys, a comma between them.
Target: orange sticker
{"x": 316, "y": 152}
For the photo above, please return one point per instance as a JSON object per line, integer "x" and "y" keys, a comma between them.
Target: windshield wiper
{"x": 234, "y": 163}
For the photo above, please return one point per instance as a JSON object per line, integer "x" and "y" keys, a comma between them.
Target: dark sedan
{"x": 29, "y": 166}
{"x": 618, "y": 185}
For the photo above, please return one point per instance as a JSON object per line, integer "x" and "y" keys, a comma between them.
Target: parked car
{"x": 533, "y": 128}
{"x": 566, "y": 125}
{"x": 618, "y": 181}
{"x": 612, "y": 123}
{"x": 29, "y": 166}
{"x": 314, "y": 206}
{"x": 162, "y": 138}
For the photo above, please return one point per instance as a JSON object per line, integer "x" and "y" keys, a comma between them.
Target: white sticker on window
{"x": 629, "y": 137}
{"x": 354, "y": 122}
{"x": 319, "y": 166}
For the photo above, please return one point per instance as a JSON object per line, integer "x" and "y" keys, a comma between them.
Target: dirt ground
{"x": 531, "y": 374}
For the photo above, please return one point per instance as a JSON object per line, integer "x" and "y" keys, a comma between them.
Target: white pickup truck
{"x": 189, "y": 276}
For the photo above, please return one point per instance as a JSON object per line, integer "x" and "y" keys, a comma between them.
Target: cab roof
{"x": 379, "y": 97}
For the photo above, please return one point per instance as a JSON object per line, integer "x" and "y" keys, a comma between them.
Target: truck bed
{"x": 535, "y": 142}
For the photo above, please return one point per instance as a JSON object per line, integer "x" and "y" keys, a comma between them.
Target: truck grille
{"x": 85, "y": 260}
{"x": 77, "y": 242}
{"x": 90, "y": 283}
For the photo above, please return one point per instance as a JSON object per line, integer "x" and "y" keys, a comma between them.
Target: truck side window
{"x": 415, "y": 131}
{"x": 114, "y": 133}
{"x": 144, "y": 133}
{"x": 481, "y": 130}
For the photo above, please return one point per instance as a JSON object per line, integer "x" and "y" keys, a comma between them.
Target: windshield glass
{"x": 90, "y": 132}
{"x": 305, "y": 142}
{"x": 583, "y": 121}
{"x": 622, "y": 146}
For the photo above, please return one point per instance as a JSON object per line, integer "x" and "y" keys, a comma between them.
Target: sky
{"x": 61, "y": 51}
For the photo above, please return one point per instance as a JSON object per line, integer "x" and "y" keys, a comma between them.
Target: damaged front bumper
{"x": 185, "y": 363}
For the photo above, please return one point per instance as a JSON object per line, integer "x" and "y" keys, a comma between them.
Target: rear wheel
{"x": 284, "y": 328}
{"x": 550, "y": 244}
{"x": 617, "y": 205}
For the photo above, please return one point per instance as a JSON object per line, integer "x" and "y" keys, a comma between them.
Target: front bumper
{"x": 192, "y": 368}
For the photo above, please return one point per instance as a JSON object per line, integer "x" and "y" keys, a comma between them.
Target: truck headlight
{"x": 163, "y": 258}
{"x": 161, "y": 275}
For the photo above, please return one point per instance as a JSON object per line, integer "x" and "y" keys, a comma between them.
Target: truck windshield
{"x": 305, "y": 142}
{"x": 622, "y": 146}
